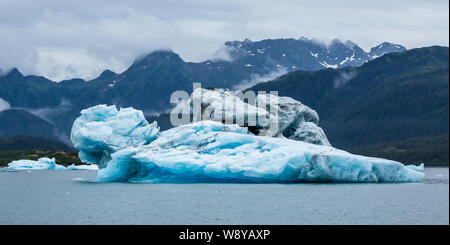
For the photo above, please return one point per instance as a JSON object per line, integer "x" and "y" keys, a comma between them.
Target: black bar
{"x": 259, "y": 234}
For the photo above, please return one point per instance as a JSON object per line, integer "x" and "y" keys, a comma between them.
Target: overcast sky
{"x": 64, "y": 39}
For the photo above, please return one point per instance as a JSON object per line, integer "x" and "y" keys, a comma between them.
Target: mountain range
{"x": 364, "y": 98}
{"x": 156, "y": 75}
{"x": 303, "y": 54}
{"x": 394, "y": 97}
{"x": 395, "y": 106}
{"x": 399, "y": 99}
{"x": 148, "y": 83}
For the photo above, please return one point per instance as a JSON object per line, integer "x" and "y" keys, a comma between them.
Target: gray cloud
{"x": 65, "y": 39}
{"x": 46, "y": 113}
{"x": 255, "y": 79}
{"x": 343, "y": 78}
{"x": 4, "y": 105}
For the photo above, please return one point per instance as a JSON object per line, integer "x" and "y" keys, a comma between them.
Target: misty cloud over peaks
{"x": 47, "y": 113}
{"x": 66, "y": 39}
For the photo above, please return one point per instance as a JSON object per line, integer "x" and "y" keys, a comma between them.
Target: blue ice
{"x": 127, "y": 148}
{"x": 41, "y": 164}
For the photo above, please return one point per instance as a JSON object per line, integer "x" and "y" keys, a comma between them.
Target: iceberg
{"x": 221, "y": 105}
{"x": 102, "y": 130}
{"x": 293, "y": 119}
{"x": 41, "y": 164}
{"x": 83, "y": 167}
{"x": 128, "y": 148}
{"x": 46, "y": 164}
{"x": 421, "y": 167}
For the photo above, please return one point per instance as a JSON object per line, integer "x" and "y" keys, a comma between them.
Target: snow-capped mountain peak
{"x": 304, "y": 53}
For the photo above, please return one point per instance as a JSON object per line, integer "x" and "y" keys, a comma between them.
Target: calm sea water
{"x": 53, "y": 197}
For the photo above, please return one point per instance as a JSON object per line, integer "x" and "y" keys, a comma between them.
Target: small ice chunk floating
{"x": 44, "y": 163}
{"x": 41, "y": 164}
{"x": 128, "y": 148}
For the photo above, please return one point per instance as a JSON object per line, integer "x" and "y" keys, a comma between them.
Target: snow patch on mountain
{"x": 326, "y": 65}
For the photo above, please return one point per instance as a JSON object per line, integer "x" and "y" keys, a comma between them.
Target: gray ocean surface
{"x": 60, "y": 197}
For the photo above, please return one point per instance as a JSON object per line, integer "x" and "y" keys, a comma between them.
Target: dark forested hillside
{"x": 432, "y": 150}
{"x": 19, "y": 122}
{"x": 25, "y": 142}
